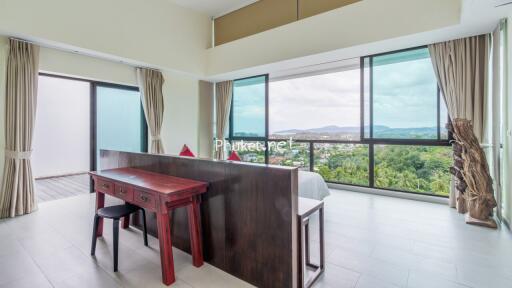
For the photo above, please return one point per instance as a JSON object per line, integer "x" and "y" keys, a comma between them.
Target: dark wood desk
{"x": 156, "y": 193}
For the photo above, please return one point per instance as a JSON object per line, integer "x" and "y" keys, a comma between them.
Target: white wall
{"x": 181, "y": 100}
{"x": 79, "y": 66}
{"x": 62, "y": 132}
{"x": 205, "y": 129}
{"x": 157, "y": 32}
{"x": 361, "y": 23}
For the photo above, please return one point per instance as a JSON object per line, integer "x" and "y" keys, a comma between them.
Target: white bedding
{"x": 312, "y": 185}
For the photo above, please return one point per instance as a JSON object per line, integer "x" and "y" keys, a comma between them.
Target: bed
{"x": 312, "y": 185}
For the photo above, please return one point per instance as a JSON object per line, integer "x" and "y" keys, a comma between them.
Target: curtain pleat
{"x": 223, "y": 96}
{"x": 17, "y": 196}
{"x": 150, "y": 85}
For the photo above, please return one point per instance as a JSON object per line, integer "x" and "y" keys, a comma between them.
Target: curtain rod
{"x": 23, "y": 40}
{"x": 148, "y": 68}
{"x": 80, "y": 53}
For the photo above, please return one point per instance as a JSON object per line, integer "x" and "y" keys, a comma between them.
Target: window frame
{"x": 370, "y": 141}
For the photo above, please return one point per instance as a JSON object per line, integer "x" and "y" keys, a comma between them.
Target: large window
{"x": 379, "y": 124}
{"x": 80, "y": 117}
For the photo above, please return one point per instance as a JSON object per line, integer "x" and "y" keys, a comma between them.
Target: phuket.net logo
{"x": 251, "y": 146}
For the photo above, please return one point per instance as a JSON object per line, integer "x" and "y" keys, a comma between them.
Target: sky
{"x": 404, "y": 97}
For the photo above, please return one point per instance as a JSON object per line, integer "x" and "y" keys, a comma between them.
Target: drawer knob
{"x": 122, "y": 191}
{"x": 105, "y": 186}
{"x": 144, "y": 198}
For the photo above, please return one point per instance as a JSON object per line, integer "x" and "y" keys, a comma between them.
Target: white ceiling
{"x": 214, "y": 8}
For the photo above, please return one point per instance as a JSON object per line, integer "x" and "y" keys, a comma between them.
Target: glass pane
{"x": 62, "y": 147}
{"x": 249, "y": 151}
{"x": 343, "y": 163}
{"x": 280, "y": 153}
{"x": 120, "y": 121}
{"x": 319, "y": 107}
{"x": 404, "y": 96}
{"x": 421, "y": 169}
{"x": 249, "y": 107}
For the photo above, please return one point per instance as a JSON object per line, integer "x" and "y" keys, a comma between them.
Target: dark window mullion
{"x": 438, "y": 114}
{"x": 370, "y": 102}
{"x": 311, "y": 156}
{"x": 266, "y": 121}
{"x": 371, "y": 166}
{"x": 362, "y": 131}
{"x": 371, "y": 150}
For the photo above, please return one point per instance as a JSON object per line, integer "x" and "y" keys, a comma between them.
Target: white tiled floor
{"x": 374, "y": 241}
{"x": 371, "y": 241}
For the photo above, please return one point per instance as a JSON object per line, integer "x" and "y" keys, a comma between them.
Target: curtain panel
{"x": 223, "y": 98}
{"x": 17, "y": 196}
{"x": 150, "y": 86}
{"x": 461, "y": 68}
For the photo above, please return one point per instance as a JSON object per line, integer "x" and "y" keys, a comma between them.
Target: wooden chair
{"x": 116, "y": 212}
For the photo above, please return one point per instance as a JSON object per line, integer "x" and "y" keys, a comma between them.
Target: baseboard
{"x": 388, "y": 193}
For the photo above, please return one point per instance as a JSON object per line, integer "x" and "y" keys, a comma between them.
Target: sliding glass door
{"x": 120, "y": 121}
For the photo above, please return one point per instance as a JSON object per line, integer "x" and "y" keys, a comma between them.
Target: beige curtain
{"x": 17, "y": 196}
{"x": 150, "y": 85}
{"x": 461, "y": 67}
{"x": 223, "y": 96}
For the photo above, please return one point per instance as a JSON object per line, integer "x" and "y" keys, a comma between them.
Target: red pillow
{"x": 185, "y": 151}
{"x": 234, "y": 156}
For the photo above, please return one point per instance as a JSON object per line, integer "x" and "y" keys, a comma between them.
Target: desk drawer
{"x": 104, "y": 186}
{"x": 145, "y": 199}
{"x": 123, "y": 192}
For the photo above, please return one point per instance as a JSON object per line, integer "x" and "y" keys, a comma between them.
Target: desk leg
{"x": 164, "y": 237}
{"x": 126, "y": 221}
{"x": 195, "y": 234}
{"x": 100, "y": 203}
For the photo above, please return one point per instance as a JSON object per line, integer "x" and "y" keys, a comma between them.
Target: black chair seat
{"x": 117, "y": 211}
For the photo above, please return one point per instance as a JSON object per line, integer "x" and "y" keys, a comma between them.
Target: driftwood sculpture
{"x": 473, "y": 180}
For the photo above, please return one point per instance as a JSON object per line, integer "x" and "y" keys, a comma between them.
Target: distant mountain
{"x": 380, "y": 130}
{"x": 331, "y": 129}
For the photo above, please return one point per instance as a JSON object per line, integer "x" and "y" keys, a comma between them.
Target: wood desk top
{"x": 156, "y": 182}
